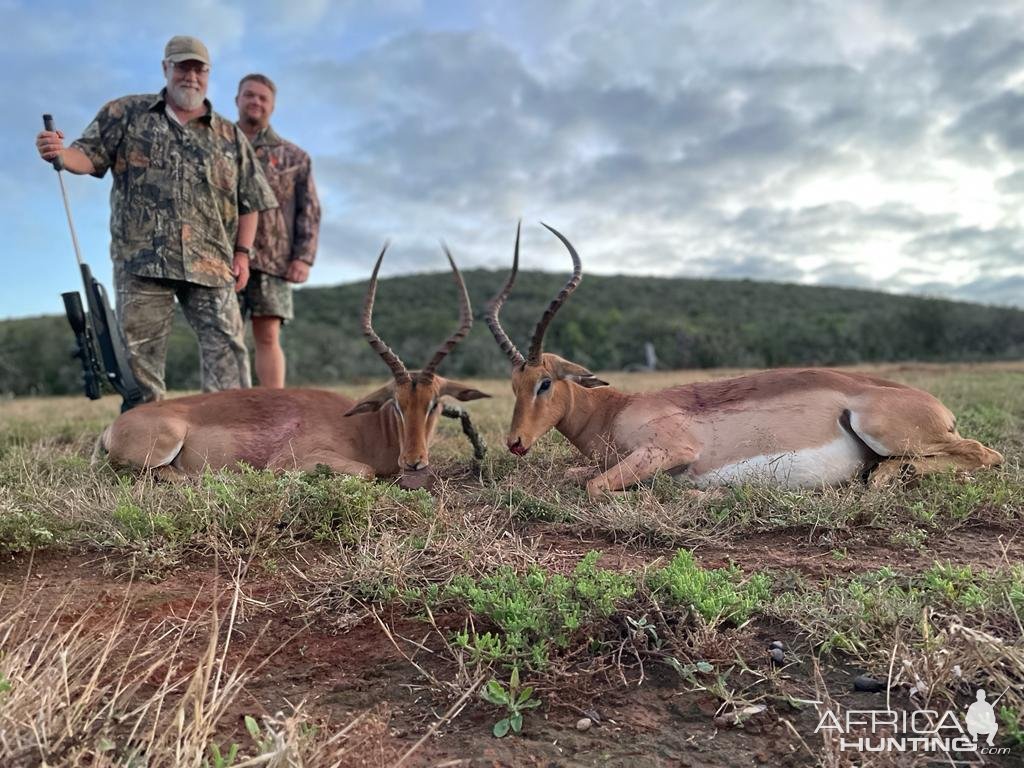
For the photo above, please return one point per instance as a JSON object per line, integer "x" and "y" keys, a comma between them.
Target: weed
{"x": 219, "y": 760}
{"x": 514, "y": 699}
{"x": 644, "y": 632}
{"x": 21, "y": 531}
{"x": 536, "y": 610}
{"x": 1012, "y": 725}
{"x": 530, "y": 507}
{"x": 717, "y": 595}
{"x": 264, "y": 742}
{"x": 857, "y": 613}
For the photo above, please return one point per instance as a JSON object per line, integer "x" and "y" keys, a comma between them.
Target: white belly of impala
{"x": 834, "y": 463}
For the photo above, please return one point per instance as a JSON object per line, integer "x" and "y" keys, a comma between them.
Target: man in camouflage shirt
{"x": 185, "y": 200}
{"x": 287, "y": 235}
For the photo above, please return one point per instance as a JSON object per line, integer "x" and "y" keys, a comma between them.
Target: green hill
{"x": 692, "y": 324}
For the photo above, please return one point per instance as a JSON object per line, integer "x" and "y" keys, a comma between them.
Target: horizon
{"x": 555, "y": 275}
{"x": 873, "y": 147}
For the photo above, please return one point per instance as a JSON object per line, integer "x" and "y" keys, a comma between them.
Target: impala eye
{"x": 544, "y": 386}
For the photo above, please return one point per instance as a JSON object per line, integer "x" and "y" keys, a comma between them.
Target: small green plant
{"x": 1011, "y": 725}
{"x": 514, "y": 699}
{"x": 689, "y": 671}
{"x": 264, "y": 742}
{"x": 529, "y": 507}
{"x": 136, "y": 524}
{"x": 482, "y": 647}
{"x": 911, "y": 537}
{"x": 643, "y": 631}
{"x": 22, "y": 531}
{"x": 536, "y": 611}
{"x": 219, "y": 759}
{"x": 720, "y": 594}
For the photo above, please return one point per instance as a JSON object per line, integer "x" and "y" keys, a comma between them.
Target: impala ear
{"x": 589, "y": 381}
{"x": 366, "y": 406}
{"x": 579, "y": 374}
{"x": 373, "y": 401}
{"x": 461, "y": 391}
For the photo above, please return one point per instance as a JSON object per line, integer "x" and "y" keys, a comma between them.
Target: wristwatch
{"x": 243, "y": 249}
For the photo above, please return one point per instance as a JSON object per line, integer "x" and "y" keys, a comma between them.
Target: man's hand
{"x": 298, "y": 272}
{"x": 50, "y": 144}
{"x": 240, "y": 269}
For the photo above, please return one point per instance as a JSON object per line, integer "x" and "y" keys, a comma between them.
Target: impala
{"x": 810, "y": 427}
{"x": 385, "y": 433}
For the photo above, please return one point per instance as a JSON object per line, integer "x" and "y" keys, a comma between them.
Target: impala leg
{"x": 638, "y": 466}
{"x": 913, "y": 429}
{"x": 340, "y": 464}
{"x": 139, "y": 440}
{"x": 959, "y": 454}
{"x": 169, "y": 474}
{"x": 580, "y": 474}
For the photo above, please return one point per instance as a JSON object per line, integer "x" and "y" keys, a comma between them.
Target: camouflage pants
{"x": 145, "y": 309}
{"x": 267, "y": 295}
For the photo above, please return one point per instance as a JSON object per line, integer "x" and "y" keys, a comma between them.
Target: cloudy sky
{"x": 867, "y": 144}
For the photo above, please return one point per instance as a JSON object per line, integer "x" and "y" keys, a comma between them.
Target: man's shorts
{"x": 267, "y": 295}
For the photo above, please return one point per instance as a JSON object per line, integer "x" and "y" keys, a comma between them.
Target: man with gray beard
{"x": 185, "y": 201}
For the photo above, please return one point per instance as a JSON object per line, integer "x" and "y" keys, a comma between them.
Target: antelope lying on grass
{"x": 798, "y": 428}
{"x": 385, "y": 433}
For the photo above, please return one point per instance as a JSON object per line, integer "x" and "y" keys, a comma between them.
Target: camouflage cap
{"x": 185, "y": 48}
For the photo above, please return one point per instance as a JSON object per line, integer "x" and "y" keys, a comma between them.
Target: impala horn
{"x": 465, "y": 322}
{"x": 494, "y": 307}
{"x": 537, "y": 342}
{"x": 397, "y": 367}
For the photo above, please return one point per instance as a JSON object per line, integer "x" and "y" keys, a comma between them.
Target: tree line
{"x": 691, "y": 323}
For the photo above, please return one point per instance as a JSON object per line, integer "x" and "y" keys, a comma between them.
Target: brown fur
{"x": 286, "y": 429}
{"x": 841, "y": 421}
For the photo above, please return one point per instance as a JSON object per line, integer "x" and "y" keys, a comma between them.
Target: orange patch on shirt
{"x": 213, "y": 266}
{"x": 137, "y": 158}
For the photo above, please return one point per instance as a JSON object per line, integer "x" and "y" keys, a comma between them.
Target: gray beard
{"x": 185, "y": 98}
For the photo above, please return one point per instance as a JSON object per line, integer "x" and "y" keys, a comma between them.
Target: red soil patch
{"x": 345, "y": 665}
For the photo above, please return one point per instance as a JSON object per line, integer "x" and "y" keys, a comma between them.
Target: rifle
{"x": 98, "y": 328}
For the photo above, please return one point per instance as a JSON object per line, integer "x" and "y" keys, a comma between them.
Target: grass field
{"x": 251, "y": 619}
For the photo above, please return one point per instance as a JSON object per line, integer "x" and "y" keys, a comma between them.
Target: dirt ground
{"x": 346, "y": 668}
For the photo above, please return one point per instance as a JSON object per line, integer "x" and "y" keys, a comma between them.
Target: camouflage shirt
{"x": 178, "y": 190}
{"x": 289, "y": 231}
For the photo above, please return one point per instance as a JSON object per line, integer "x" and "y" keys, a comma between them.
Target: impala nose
{"x": 517, "y": 446}
{"x": 415, "y": 466}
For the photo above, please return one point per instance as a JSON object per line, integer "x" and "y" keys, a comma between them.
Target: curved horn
{"x": 465, "y": 321}
{"x": 495, "y": 307}
{"x": 394, "y": 363}
{"x": 537, "y": 342}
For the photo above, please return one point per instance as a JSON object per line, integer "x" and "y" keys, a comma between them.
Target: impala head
{"x": 544, "y": 384}
{"x": 415, "y": 396}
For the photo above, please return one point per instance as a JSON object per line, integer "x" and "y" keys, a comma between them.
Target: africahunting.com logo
{"x": 920, "y": 730}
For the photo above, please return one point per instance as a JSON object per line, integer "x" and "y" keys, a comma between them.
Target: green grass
{"x": 535, "y": 613}
{"x": 858, "y": 614}
{"x": 718, "y": 595}
{"x": 511, "y": 562}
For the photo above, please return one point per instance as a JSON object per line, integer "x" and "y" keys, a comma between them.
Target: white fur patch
{"x": 833, "y": 463}
{"x": 154, "y": 461}
{"x": 869, "y": 441}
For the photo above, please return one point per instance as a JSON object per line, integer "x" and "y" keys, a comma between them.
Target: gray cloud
{"x": 734, "y": 140}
